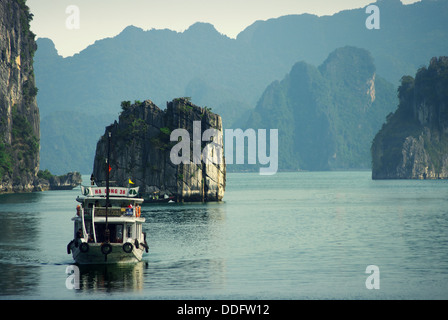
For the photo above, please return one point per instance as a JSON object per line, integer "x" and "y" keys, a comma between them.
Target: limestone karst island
{"x": 140, "y": 153}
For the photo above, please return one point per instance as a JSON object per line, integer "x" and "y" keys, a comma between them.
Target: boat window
{"x": 115, "y": 230}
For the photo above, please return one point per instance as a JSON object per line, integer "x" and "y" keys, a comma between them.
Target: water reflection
{"x": 180, "y": 213}
{"x": 187, "y": 245}
{"x": 30, "y": 228}
{"x": 18, "y": 233}
{"x": 21, "y": 198}
{"x": 197, "y": 275}
{"x": 18, "y": 279}
{"x": 112, "y": 278}
{"x": 18, "y": 230}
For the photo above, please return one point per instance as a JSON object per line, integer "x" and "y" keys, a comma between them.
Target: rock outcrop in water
{"x": 68, "y": 181}
{"x": 19, "y": 114}
{"x": 413, "y": 143}
{"x": 140, "y": 149}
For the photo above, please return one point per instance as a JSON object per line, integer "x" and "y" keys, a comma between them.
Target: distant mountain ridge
{"x": 327, "y": 115}
{"x": 228, "y": 75}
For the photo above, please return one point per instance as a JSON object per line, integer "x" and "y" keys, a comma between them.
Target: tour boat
{"x": 108, "y": 226}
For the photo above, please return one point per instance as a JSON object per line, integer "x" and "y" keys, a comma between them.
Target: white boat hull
{"x": 94, "y": 255}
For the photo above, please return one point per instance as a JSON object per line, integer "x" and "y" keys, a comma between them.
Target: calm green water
{"x": 288, "y": 236}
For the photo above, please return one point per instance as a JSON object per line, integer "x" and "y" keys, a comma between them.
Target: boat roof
{"x": 93, "y": 193}
{"x": 114, "y": 219}
{"x": 111, "y": 199}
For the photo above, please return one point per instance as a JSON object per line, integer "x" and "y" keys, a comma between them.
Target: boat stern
{"x": 100, "y": 253}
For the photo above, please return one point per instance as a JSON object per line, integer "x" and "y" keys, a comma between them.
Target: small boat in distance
{"x": 108, "y": 233}
{"x": 155, "y": 197}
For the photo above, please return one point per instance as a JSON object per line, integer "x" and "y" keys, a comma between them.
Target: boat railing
{"x": 112, "y": 212}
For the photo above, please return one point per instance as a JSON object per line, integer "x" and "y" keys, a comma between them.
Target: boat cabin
{"x": 121, "y": 218}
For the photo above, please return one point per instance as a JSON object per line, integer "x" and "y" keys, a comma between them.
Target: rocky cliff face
{"x": 19, "y": 114}
{"x": 140, "y": 149}
{"x": 413, "y": 143}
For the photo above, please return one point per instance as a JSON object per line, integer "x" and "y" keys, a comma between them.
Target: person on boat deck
{"x": 79, "y": 234}
{"x": 92, "y": 180}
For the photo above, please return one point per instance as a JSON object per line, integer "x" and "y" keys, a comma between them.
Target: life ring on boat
{"x": 84, "y": 247}
{"x": 127, "y": 247}
{"x": 106, "y": 248}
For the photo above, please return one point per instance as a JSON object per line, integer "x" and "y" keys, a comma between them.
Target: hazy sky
{"x": 99, "y": 19}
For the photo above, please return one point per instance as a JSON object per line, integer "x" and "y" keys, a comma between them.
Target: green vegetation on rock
{"x": 413, "y": 142}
